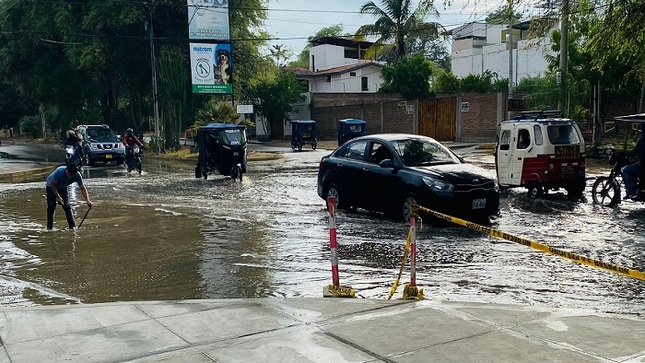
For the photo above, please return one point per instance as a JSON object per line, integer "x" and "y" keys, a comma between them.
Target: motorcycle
{"x": 72, "y": 156}
{"x": 133, "y": 158}
{"x": 606, "y": 189}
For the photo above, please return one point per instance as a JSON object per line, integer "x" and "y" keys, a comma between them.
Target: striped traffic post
{"x": 413, "y": 252}
{"x": 331, "y": 207}
{"x": 411, "y": 292}
{"x": 335, "y": 290}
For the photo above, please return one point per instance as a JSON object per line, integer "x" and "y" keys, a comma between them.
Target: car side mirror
{"x": 386, "y": 163}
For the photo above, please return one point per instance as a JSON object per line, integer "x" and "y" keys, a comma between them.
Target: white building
{"x": 338, "y": 65}
{"x": 477, "y": 47}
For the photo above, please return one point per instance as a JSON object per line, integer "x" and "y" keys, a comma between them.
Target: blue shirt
{"x": 62, "y": 181}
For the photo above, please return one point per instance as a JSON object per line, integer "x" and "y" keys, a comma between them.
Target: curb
{"x": 30, "y": 175}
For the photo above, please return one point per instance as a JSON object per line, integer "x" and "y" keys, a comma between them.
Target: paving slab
{"x": 316, "y": 330}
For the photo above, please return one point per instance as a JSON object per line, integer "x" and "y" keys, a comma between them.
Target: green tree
{"x": 501, "y": 15}
{"x": 618, "y": 35}
{"x": 214, "y": 110}
{"x": 279, "y": 54}
{"x": 446, "y": 82}
{"x": 173, "y": 83}
{"x": 273, "y": 99}
{"x": 541, "y": 93}
{"x": 410, "y": 77}
{"x": 397, "y": 21}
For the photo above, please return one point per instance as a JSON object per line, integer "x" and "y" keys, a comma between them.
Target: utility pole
{"x": 155, "y": 95}
{"x": 564, "y": 50}
{"x": 510, "y": 57}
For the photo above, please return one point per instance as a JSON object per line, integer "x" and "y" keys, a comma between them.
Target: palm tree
{"x": 214, "y": 110}
{"x": 396, "y": 21}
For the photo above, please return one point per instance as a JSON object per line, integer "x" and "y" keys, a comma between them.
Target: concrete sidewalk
{"x": 315, "y": 330}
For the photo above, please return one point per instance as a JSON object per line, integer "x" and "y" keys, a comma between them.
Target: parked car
{"x": 389, "y": 172}
{"x": 100, "y": 143}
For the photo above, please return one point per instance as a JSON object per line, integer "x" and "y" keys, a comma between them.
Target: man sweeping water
{"x": 56, "y": 189}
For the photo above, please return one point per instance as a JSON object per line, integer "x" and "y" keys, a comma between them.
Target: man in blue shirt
{"x": 56, "y": 189}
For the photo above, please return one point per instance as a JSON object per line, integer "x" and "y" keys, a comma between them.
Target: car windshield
{"x": 562, "y": 135}
{"x": 418, "y": 152}
{"x": 101, "y": 134}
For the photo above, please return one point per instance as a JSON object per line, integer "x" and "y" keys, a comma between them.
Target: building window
{"x": 364, "y": 84}
{"x": 328, "y": 78}
{"x": 313, "y": 63}
{"x": 352, "y": 74}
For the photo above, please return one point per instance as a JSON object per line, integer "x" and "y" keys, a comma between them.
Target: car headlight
{"x": 438, "y": 185}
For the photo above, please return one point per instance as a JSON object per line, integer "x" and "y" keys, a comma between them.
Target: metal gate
{"x": 438, "y": 118}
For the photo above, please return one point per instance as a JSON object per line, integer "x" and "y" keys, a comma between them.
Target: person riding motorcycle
{"x": 129, "y": 140}
{"x": 632, "y": 172}
{"x": 75, "y": 140}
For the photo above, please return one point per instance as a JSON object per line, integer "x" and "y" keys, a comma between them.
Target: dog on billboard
{"x": 225, "y": 70}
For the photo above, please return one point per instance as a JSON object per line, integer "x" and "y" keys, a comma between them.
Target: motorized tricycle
{"x": 541, "y": 151}
{"x": 350, "y": 128}
{"x": 222, "y": 148}
{"x": 303, "y": 132}
{"x": 606, "y": 190}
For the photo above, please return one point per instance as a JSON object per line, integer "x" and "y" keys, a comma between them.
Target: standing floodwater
{"x": 166, "y": 235}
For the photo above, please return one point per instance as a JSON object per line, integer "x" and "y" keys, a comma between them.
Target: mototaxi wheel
{"x": 236, "y": 172}
{"x": 299, "y": 146}
{"x": 535, "y": 190}
{"x": 605, "y": 192}
{"x": 314, "y": 144}
{"x": 138, "y": 165}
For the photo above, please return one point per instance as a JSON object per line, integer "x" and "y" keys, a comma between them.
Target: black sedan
{"x": 389, "y": 172}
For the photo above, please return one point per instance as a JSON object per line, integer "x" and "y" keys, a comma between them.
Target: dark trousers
{"x": 51, "y": 207}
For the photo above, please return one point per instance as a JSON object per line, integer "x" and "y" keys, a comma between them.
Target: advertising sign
{"x": 208, "y": 19}
{"x": 211, "y": 68}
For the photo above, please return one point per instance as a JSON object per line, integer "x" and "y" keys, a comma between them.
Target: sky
{"x": 292, "y": 21}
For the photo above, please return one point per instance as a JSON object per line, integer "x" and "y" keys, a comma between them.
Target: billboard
{"x": 211, "y": 68}
{"x": 208, "y": 19}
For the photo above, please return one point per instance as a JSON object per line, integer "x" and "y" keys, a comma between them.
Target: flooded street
{"x": 166, "y": 235}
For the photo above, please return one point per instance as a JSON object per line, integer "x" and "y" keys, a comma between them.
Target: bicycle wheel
{"x": 605, "y": 192}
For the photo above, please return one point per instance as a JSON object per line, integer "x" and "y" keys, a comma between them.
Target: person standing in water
{"x": 56, "y": 189}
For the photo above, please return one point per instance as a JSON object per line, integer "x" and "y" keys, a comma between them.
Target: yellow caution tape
{"x": 341, "y": 291}
{"x": 538, "y": 246}
{"x": 408, "y": 243}
{"x": 412, "y": 293}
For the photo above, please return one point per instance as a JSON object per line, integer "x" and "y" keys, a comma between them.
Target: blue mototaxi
{"x": 303, "y": 132}
{"x": 222, "y": 148}
{"x": 350, "y": 128}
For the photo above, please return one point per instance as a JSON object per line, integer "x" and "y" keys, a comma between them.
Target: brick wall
{"x": 381, "y": 112}
{"x": 480, "y": 122}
